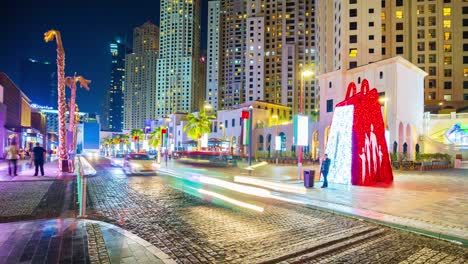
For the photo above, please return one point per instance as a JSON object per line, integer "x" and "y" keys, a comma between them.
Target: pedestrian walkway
{"x": 26, "y": 171}
{"x": 434, "y": 202}
{"x": 74, "y": 241}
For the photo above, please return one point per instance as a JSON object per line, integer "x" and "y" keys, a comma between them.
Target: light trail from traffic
{"x": 271, "y": 185}
{"x": 231, "y": 200}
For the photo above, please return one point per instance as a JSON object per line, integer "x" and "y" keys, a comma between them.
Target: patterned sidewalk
{"x": 51, "y": 172}
{"x": 74, "y": 241}
{"x": 430, "y": 202}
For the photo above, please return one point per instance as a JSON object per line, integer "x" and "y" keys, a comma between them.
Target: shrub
{"x": 434, "y": 156}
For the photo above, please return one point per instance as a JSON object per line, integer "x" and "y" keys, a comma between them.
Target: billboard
{"x": 91, "y": 136}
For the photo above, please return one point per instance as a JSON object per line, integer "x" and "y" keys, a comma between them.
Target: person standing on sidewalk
{"x": 324, "y": 169}
{"x": 39, "y": 154}
{"x": 12, "y": 156}
{"x": 71, "y": 159}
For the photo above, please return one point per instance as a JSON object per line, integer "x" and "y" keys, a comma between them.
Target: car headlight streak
{"x": 236, "y": 187}
{"x": 271, "y": 185}
{"x": 232, "y": 201}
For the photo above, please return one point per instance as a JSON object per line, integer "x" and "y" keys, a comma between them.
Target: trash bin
{"x": 309, "y": 177}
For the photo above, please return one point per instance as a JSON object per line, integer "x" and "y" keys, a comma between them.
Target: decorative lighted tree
{"x": 71, "y": 83}
{"x": 62, "y": 148}
{"x": 125, "y": 140}
{"x": 108, "y": 143}
{"x": 155, "y": 140}
{"x": 137, "y": 134}
{"x": 197, "y": 126}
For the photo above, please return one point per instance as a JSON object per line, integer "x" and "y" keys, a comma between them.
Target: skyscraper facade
{"x": 179, "y": 84}
{"x": 429, "y": 33}
{"x": 232, "y": 51}
{"x": 113, "y": 117}
{"x": 212, "y": 61}
{"x": 140, "y": 77}
{"x": 280, "y": 45}
{"x": 38, "y": 80}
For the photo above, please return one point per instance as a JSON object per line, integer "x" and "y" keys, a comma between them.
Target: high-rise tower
{"x": 232, "y": 53}
{"x": 432, "y": 34}
{"x": 179, "y": 85}
{"x": 140, "y": 77}
{"x": 114, "y": 105}
{"x": 38, "y": 80}
{"x": 280, "y": 45}
{"x": 212, "y": 71}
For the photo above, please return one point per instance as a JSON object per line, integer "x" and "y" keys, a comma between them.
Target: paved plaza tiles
{"x": 433, "y": 202}
{"x": 74, "y": 241}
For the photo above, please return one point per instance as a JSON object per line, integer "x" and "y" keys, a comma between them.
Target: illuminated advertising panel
{"x": 204, "y": 141}
{"x": 301, "y": 130}
{"x": 278, "y": 143}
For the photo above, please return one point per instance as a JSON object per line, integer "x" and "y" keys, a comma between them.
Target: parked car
{"x": 118, "y": 160}
{"x": 139, "y": 164}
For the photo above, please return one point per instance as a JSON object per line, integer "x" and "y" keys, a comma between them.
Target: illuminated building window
{"x": 448, "y": 60}
{"x": 353, "y": 52}
{"x": 447, "y": 11}
{"x": 399, "y": 14}
{"x": 447, "y": 35}
{"x": 465, "y": 70}
{"x": 447, "y": 47}
{"x": 447, "y": 23}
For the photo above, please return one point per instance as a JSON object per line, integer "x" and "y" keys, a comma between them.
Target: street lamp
{"x": 250, "y": 137}
{"x": 276, "y": 135}
{"x": 304, "y": 74}
{"x": 167, "y": 119}
{"x": 207, "y": 106}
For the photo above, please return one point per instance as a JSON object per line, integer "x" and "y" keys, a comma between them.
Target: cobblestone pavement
{"x": 192, "y": 230}
{"x": 430, "y": 201}
{"x": 27, "y": 200}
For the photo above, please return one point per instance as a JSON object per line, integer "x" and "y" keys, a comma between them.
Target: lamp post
{"x": 276, "y": 135}
{"x": 166, "y": 138}
{"x": 304, "y": 73}
{"x": 207, "y": 106}
{"x": 250, "y": 136}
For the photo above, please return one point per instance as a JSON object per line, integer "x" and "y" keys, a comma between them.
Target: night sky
{"x": 87, "y": 28}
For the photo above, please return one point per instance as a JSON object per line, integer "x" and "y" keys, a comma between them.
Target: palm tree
{"x": 314, "y": 115}
{"x": 155, "y": 140}
{"x": 71, "y": 83}
{"x": 108, "y": 143}
{"x": 197, "y": 126}
{"x": 136, "y": 136}
{"x": 121, "y": 140}
{"x": 50, "y": 36}
{"x": 115, "y": 141}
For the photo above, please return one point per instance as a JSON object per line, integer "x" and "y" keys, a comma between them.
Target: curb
{"x": 419, "y": 231}
{"x": 148, "y": 246}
